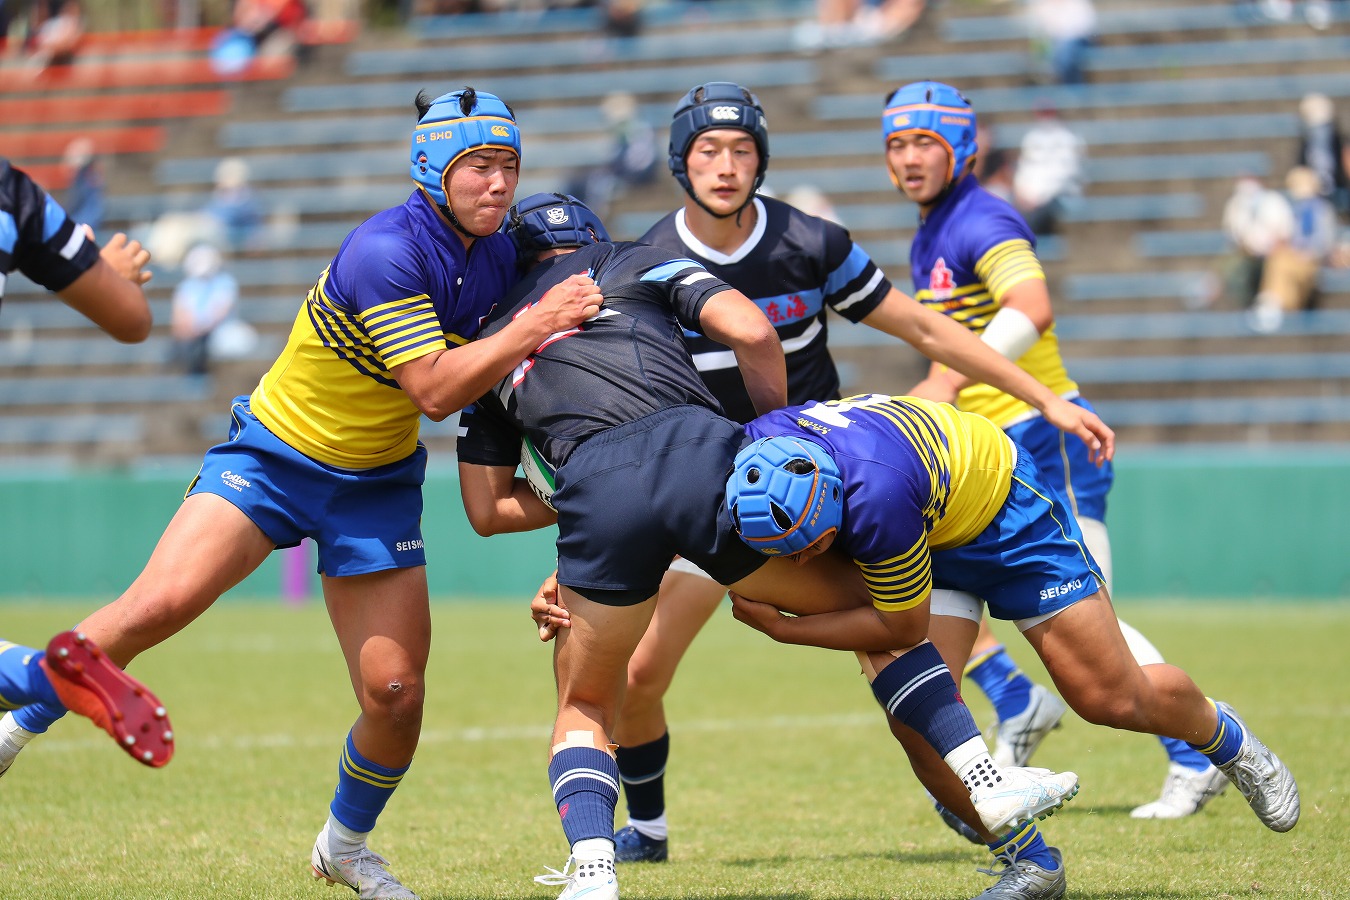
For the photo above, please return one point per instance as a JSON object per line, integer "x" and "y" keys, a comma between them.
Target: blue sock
{"x": 1182, "y": 754}
{"x": 918, "y": 690}
{"x": 586, "y": 790}
{"x": 642, "y": 769}
{"x": 38, "y": 717}
{"x": 1224, "y": 745}
{"x": 1001, "y": 681}
{"x": 363, "y": 789}
{"x": 1026, "y": 845}
{"x": 22, "y": 680}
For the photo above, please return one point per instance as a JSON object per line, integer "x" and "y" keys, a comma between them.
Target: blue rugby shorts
{"x": 1065, "y": 466}
{"x": 1029, "y": 561}
{"x": 362, "y": 520}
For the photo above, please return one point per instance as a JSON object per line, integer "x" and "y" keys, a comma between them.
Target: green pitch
{"x": 784, "y": 783}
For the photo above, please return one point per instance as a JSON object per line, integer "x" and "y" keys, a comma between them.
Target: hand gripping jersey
{"x": 793, "y": 266}
{"x": 36, "y": 235}
{"x": 970, "y": 250}
{"x": 625, "y": 363}
{"x": 918, "y": 477}
{"x": 401, "y": 286}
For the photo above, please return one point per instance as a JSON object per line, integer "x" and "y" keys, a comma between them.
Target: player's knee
{"x": 397, "y": 699}
{"x": 1112, "y": 706}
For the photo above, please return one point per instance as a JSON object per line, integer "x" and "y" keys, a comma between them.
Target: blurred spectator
{"x": 632, "y": 158}
{"x": 57, "y": 38}
{"x": 234, "y": 206}
{"x": 851, "y": 23}
{"x": 1255, "y": 219}
{"x": 995, "y": 172}
{"x": 812, "y": 201}
{"x": 202, "y": 302}
{"x": 1320, "y": 148}
{"x": 623, "y": 18}
{"x": 1061, "y": 33}
{"x": 1049, "y": 171}
{"x": 83, "y": 199}
{"x": 1289, "y": 280}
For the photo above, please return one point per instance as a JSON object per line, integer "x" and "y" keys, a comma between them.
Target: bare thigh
{"x": 590, "y": 663}
{"x": 208, "y": 547}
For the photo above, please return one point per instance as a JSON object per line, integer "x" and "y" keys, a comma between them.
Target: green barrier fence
{"x": 1185, "y": 522}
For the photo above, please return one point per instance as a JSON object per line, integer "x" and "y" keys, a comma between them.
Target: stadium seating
{"x": 1182, "y": 97}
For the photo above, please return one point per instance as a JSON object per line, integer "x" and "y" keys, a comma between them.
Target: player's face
{"x": 481, "y": 187}
{"x": 822, "y": 544}
{"x": 722, "y": 164}
{"x": 920, "y": 163}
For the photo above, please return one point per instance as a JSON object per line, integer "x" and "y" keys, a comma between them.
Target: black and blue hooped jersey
{"x": 36, "y": 235}
{"x": 624, "y": 363}
{"x": 965, "y": 256}
{"x": 918, "y": 476}
{"x": 401, "y": 286}
{"x": 792, "y": 266}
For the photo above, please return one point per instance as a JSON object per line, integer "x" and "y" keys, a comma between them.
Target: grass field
{"x": 783, "y": 785}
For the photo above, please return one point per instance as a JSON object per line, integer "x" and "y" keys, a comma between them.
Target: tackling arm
{"x": 445, "y": 381}
{"x": 497, "y": 502}
{"x": 731, "y": 318}
{"x": 109, "y": 293}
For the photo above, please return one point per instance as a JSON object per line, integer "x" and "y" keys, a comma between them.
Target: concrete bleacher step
{"x": 122, "y": 107}
{"x": 1134, "y": 19}
{"x": 138, "y": 73}
{"x": 1120, "y": 58}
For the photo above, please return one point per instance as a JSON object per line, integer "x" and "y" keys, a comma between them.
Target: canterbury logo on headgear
{"x": 501, "y": 131}
{"x": 725, "y": 112}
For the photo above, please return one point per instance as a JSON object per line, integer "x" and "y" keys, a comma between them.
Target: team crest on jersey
{"x": 557, "y": 215}
{"x": 940, "y": 282}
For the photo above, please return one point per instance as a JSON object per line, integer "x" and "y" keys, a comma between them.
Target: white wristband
{"x": 1010, "y": 333}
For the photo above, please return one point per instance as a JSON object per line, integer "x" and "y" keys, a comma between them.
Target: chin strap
{"x": 716, "y": 215}
{"x": 454, "y": 222}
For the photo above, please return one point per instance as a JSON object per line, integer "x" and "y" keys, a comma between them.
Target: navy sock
{"x": 1002, "y": 682}
{"x": 363, "y": 789}
{"x": 1026, "y": 845}
{"x": 642, "y": 769}
{"x": 918, "y": 690}
{"x": 22, "y": 680}
{"x": 1226, "y": 741}
{"x": 586, "y": 790}
{"x": 1183, "y": 754}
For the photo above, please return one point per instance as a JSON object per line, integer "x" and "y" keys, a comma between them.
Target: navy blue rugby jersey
{"x": 793, "y": 266}
{"x": 624, "y": 363}
{"x": 36, "y": 235}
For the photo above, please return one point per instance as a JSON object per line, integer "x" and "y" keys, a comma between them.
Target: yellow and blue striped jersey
{"x": 401, "y": 286}
{"x": 970, "y": 250}
{"x": 918, "y": 477}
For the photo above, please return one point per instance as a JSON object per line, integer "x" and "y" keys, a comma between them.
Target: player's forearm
{"x": 764, "y": 371}
{"x": 972, "y": 361}
{"x": 862, "y": 629}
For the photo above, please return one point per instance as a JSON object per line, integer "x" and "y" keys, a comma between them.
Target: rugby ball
{"x": 537, "y": 472}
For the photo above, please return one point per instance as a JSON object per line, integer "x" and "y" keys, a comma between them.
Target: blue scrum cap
{"x": 938, "y": 110}
{"x": 448, "y": 131}
{"x": 784, "y": 493}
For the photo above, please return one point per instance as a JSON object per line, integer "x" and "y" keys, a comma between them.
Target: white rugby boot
{"x": 1022, "y": 795}
{"x": 363, "y": 872}
{"x": 592, "y": 880}
{"x": 1018, "y": 736}
{"x": 1184, "y": 793}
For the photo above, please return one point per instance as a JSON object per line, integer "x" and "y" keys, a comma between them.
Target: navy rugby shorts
{"x": 1029, "y": 561}
{"x": 632, "y": 497}
{"x": 362, "y": 520}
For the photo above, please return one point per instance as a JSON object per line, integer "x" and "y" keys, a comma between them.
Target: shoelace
{"x": 1009, "y": 861}
{"x": 368, "y": 864}
{"x": 555, "y": 878}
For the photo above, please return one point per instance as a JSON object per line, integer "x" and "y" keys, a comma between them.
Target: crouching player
{"x": 618, "y": 409}
{"x": 939, "y": 509}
